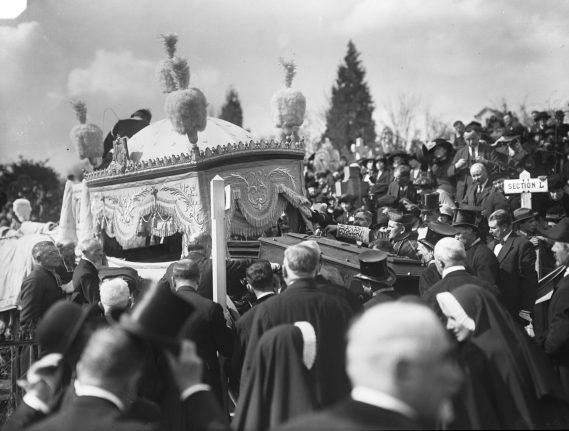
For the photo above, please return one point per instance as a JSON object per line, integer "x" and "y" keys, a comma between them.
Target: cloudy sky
{"x": 455, "y": 55}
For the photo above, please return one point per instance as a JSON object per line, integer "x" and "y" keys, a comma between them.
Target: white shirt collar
{"x": 382, "y": 400}
{"x": 87, "y": 259}
{"x": 94, "y": 391}
{"x": 450, "y": 269}
{"x": 262, "y": 295}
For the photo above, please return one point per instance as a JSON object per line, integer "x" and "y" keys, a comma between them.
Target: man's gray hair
{"x": 89, "y": 244}
{"x": 301, "y": 258}
{"x": 450, "y": 251}
{"x": 478, "y": 167}
{"x": 114, "y": 293}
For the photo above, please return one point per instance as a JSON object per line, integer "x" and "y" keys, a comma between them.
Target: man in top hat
{"x": 474, "y": 152}
{"x": 303, "y": 300}
{"x": 516, "y": 257}
{"x": 555, "y": 339}
{"x": 450, "y": 259}
{"x": 429, "y": 206}
{"x": 125, "y": 128}
{"x": 480, "y": 261}
{"x": 86, "y": 274}
{"x": 481, "y": 194}
{"x": 377, "y": 278}
{"x": 206, "y": 327}
{"x": 434, "y": 232}
{"x": 526, "y": 224}
{"x": 403, "y": 239}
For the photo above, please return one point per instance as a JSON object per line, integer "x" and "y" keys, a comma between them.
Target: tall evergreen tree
{"x": 350, "y": 114}
{"x": 231, "y": 110}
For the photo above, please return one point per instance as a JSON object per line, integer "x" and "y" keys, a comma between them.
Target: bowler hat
{"x": 436, "y": 231}
{"x": 61, "y": 325}
{"x": 374, "y": 267}
{"x": 466, "y": 216}
{"x": 558, "y": 232}
{"x": 439, "y": 142}
{"x": 158, "y": 317}
{"x": 522, "y": 214}
{"x": 347, "y": 198}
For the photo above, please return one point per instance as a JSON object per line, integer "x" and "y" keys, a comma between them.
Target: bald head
{"x": 478, "y": 173}
{"x": 396, "y": 348}
{"x": 449, "y": 252}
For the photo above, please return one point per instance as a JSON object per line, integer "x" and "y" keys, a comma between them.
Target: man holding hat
{"x": 526, "y": 224}
{"x": 377, "y": 278}
{"x": 474, "y": 152}
{"x": 125, "y": 128}
{"x": 555, "y": 340}
{"x": 480, "y": 260}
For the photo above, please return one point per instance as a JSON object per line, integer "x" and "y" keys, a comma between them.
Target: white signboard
{"x": 526, "y": 185}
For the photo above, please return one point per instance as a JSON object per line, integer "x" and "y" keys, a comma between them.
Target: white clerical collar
{"x": 450, "y": 269}
{"x": 95, "y": 391}
{"x": 382, "y": 400}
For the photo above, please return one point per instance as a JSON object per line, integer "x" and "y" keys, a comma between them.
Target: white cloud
{"x": 113, "y": 75}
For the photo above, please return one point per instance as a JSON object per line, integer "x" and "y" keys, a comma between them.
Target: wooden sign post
{"x": 218, "y": 204}
{"x": 525, "y": 186}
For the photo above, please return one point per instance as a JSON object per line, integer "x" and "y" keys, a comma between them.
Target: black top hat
{"x": 466, "y": 215}
{"x": 374, "y": 267}
{"x": 436, "y": 231}
{"x": 558, "y": 232}
{"x": 522, "y": 214}
{"x": 61, "y": 325}
{"x": 556, "y": 181}
{"x": 145, "y": 114}
{"x": 543, "y": 115}
{"x": 429, "y": 201}
{"x": 158, "y": 317}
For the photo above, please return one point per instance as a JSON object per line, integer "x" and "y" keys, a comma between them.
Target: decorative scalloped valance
{"x": 260, "y": 196}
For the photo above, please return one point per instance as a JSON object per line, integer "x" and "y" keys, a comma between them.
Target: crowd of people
{"x": 483, "y": 344}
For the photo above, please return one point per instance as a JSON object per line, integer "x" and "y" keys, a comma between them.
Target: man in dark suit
{"x": 86, "y": 274}
{"x": 125, "y": 128}
{"x": 450, "y": 259}
{"x": 401, "y": 190}
{"x": 402, "y": 375}
{"x": 402, "y": 238}
{"x": 555, "y": 340}
{"x": 465, "y": 157}
{"x": 303, "y": 300}
{"x": 107, "y": 376}
{"x": 207, "y": 327}
{"x": 516, "y": 256}
{"x": 260, "y": 283}
{"x": 481, "y": 194}
{"x": 41, "y": 288}
{"x": 480, "y": 261}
